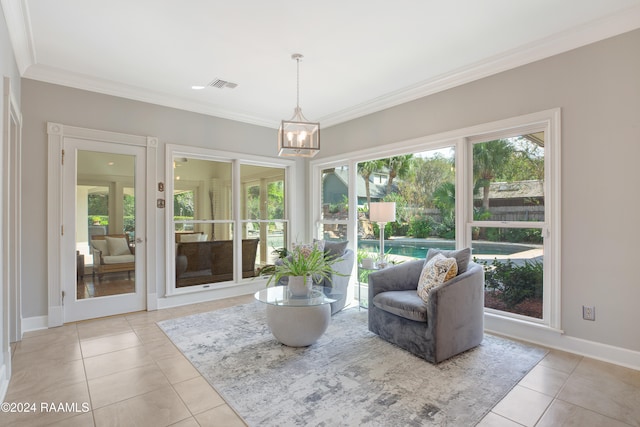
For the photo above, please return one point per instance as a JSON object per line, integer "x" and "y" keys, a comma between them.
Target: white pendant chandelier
{"x": 298, "y": 137}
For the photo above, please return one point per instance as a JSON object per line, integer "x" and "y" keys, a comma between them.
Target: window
{"x": 334, "y": 205}
{"x": 508, "y": 221}
{"x": 203, "y": 224}
{"x": 422, "y": 185}
{"x": 493, "y": 187}
{"x": 228, "y": 216}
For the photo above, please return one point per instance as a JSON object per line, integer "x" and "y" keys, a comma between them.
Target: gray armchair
{"x": 339, "y": 284}
{"x": 336, "y": 288}
{"x": 452, "y": 321}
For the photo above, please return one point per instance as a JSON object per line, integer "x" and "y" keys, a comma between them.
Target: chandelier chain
{"x": 298, "y": 83}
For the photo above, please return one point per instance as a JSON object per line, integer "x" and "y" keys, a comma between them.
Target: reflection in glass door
{"x": 104, "y": 197}
{"x": 105, "y": 224}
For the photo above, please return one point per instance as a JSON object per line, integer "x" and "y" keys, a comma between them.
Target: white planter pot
{"x": 300, "y": 286}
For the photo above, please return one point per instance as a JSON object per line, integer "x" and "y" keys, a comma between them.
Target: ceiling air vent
{"x": 221, "y": 84}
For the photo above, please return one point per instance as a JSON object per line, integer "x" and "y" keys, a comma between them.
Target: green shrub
{"x": 420, "y": 227}
{"x": 514, "y": 283}
{"x": 446, "y": 229}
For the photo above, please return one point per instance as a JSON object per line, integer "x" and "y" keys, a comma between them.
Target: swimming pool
{"x": 417, "y": 248}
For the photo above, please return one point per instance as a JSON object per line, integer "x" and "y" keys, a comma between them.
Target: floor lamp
{"x": 382, "y": 213}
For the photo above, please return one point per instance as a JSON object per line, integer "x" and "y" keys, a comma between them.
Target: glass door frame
{"x": 60, "y": 265}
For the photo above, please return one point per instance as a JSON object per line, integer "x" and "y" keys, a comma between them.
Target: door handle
{"x": 139, "y": 240}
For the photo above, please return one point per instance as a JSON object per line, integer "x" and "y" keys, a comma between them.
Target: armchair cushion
{"x": 101, "y": 245}
{"x": 334, "y": 249}
{"x": 193, "y": 237}
{"x": 462, "y": 256}
{"x": 117, "y": 246}
{"x": 435, "y": 272}
{"x": 118, "y": 259}
{"x": 405, "y": 304}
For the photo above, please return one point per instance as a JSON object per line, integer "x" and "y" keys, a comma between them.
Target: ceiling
{"x": 360, "y": 56}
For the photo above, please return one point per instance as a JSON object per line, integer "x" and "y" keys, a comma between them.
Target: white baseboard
{"x": 556, "y": 339}
{"x": 186, "y": 298}
{"x": 34, "y": 323}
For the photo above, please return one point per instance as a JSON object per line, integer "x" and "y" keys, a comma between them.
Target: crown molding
{"x": 16, "y": 15}
{"x": 18, "y": 23}
{"x": 594, "y": 31}
{"x": 61, "y": 77}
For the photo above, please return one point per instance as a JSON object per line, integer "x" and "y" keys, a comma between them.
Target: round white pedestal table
{"x": 296, "y": 321}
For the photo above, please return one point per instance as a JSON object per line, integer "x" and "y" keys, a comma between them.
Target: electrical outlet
{"x": 588, "y": 312}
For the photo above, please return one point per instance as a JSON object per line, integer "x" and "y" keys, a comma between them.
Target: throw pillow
{"x": 462, "y": 256}
{"x": 193, "y": 237}
{"x": 117, "y": 246}
{"x": 187, "y": 238}
{"x": 101, "y": 245}
{"x": 306, "y": 248}
{"x": 435, "y": 272}
{"x": 334, "y": 249}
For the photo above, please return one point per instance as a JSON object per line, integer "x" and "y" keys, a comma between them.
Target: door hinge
{"x": 62, "y": 297}
{"x": 62, "y": 230}
{"x": 62, "y": 157}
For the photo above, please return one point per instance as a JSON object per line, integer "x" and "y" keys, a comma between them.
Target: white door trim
{"x": 10, "y": 248}
{"x": 56, "y": 135}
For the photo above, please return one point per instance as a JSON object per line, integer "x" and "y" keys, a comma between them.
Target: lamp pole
{"x": 381, "y": 262}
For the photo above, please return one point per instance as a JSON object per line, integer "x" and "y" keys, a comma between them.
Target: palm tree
{"x": 444, "y": 198}
{"x": 399, "y": 167}
{"x": 489, "y": 159}
{"x": 366, "y": 169}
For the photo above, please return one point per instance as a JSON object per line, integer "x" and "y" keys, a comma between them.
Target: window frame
{"x": 547, "y": 121}
{"x": 237, "y": 215}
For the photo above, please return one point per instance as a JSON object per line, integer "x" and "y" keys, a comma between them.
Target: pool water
{"x": 416, "y": 248}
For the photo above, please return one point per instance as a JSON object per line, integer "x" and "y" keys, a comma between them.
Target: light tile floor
{"x": 128, "y": 373}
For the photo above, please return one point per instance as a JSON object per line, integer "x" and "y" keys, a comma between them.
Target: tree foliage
{"x": 365, "y": 170}
{"x": 427, "y": 174}
{"x": 183, "y": 204}
{"x": 489, "y": 160}
{"x": 398, "y": 167}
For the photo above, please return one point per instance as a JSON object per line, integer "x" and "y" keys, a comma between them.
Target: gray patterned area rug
{"x": 350, "y": 377}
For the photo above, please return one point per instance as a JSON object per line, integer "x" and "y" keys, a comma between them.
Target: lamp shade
{"x": 382, "y": 211}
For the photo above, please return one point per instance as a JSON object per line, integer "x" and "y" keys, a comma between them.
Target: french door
{"x": 103, "y": 239}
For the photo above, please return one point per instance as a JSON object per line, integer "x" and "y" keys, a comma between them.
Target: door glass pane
{"x": 513, "y": 260}
{"x": 105, "y": 228}
{"x": 508, "y": 177}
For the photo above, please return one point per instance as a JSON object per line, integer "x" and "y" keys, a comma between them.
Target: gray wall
{"x": 596, "y": 86}
{"x": 598, "y": 89}
{"x": 43, "y": 102}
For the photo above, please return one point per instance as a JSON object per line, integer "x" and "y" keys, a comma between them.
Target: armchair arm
{"x": 456, "y": 312}
{"x": 345, "y": 265}
{"x": 397, "y": 278}
{"x": 97, "y": 256}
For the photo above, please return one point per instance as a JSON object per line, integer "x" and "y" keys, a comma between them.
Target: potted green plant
{"x": 303, "y": 265}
